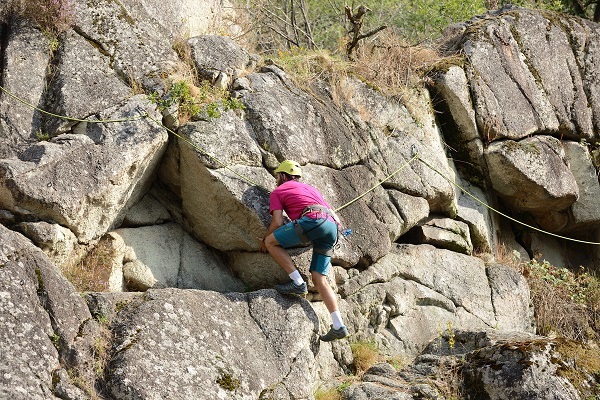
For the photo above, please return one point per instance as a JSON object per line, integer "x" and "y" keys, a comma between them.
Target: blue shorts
{"x": 323, "y": 236}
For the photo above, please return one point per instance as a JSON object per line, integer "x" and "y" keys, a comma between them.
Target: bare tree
{"x": 282, "y": 24}
{"x": 356, "y": 25}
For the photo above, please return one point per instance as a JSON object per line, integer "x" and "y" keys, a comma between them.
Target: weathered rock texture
{"x": 532, "y": 92}
{"x": 181, "y": 213}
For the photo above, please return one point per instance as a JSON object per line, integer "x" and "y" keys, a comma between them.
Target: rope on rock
{"x": 501, "y": 213}
{"x": 414, "y": 157}
{"x": 253, "y": 183}
{"x": 207, "y": 154}
{"x": 143, "y": 115}
{"x": 20, "y": 100}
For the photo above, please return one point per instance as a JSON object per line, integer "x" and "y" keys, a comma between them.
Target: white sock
{"x": 296, "y": 277}
{"x": 336, "y": 317}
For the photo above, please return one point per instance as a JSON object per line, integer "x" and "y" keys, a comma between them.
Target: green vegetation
{"x": 42, "y": 136}
{"x": 315, "y": 24}
{"x": 370, "y": 64}
{"x": 566, "y": 303}
{"x": 365, "y": 354}
{"x": 55, "y": 338}
{"x": 580, "y": 362}
{"x": 328, "y": 394}
{"x": 192, "y": 100}
{"x": 227, "y": 381}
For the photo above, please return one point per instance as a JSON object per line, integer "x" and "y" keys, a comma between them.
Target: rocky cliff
{"x": 177, "y": 207}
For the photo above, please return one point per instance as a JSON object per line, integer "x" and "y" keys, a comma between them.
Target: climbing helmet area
{"x": 289, "y": 167}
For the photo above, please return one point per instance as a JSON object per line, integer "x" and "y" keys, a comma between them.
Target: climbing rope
{"x": 143, "y": 115}
{"x": 253, "y": 183}
{"x": 501, "y": 213}
{"x": 378, "y": 184}
{"x": 207, "y": 154}
{"x": 20, "y": 100}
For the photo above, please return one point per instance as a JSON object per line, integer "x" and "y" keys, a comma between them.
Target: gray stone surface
{"x": 215, "y": 55}
{"x": 40, "y": 312}
{"x": 23, "y": 74}
{"x": 210, "y": 345}
{"x": 86, "y": 181}
{"x": 537, "y": 163}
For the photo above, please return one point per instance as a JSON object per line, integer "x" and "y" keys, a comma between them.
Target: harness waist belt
{"x": 317, "y": 208}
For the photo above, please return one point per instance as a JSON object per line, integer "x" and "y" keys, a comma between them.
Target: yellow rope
{"x": 199, "y": 149}
{"x": 67, "y": 118}
{"x": 251, "y": 182}
{"x": 500, "y": 213}
{"x": 380, "y": 183}
{"x": 132, "y": 119}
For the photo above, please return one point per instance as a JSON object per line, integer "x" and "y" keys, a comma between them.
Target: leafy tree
{"x": 325, "y": 24}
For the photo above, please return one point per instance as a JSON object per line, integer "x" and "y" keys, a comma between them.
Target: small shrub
{"x": 328, "y": 394}
{"x": 392, "y": 65}
{"x": 53, "y": 16}
{"x": 565, "y": 302}
{"x": 90, "y": 377}
{"x": 580, "y": 364}
{"x": 365, "y": 354}
{"x": 506, "y": 257}
{"x": 227, "y": 381}
{"x": 192, "y": 100}
{"x": 387, "y": 64}
{"x": 449, "y": 380}
{"x": 42, "y": 136}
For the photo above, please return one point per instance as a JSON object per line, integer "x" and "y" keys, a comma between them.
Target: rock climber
{"x": 312, "y": 221}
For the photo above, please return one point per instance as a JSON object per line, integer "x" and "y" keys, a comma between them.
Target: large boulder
{"x": 585, "y": 212}
{"x": 139, "y": 48}
{"x": 420, "y": 286}
{"x": 293, "y": 124}
{"x": 529, "y": 75}
{"x": 181, "y": 18}
{"x": 219, "y": 59}
{"x": 532, "y": 175}
{"x": 399, "y": 132}
{"x": 84, "y": 83}
{"x": 86, "y": 181}
{"x": 167, "y": 256}
{"x": 210, "y": 345}
{"x": 40, "y": 312}
{"x": 477, "y": 364}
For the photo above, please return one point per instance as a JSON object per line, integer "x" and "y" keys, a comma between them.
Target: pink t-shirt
{"x": 293, "y": 196}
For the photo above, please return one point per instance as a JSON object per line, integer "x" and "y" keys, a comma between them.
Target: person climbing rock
{"x": 314, "y": 222}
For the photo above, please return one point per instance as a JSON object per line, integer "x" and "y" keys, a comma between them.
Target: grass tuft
{"x": 91, "y": 274}
{"x": 365, "y": 354}
{"x": 392, "y": 65}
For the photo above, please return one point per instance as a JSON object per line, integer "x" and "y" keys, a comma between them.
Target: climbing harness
{"x": 303, "y": 234}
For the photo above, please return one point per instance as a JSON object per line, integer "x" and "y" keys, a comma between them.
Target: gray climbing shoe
{"x": 292, "y": 288}
{"x": 335, "y": 334}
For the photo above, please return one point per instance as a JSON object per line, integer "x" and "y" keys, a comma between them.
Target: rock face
{"x": 525, "y": 105}
{"x": 180, "y": 211}
{"x": 39, "y": 312}
{"x": 493, "y": 367}
{"x": 52, "y": 179}
{"x": 209, "y": 345}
